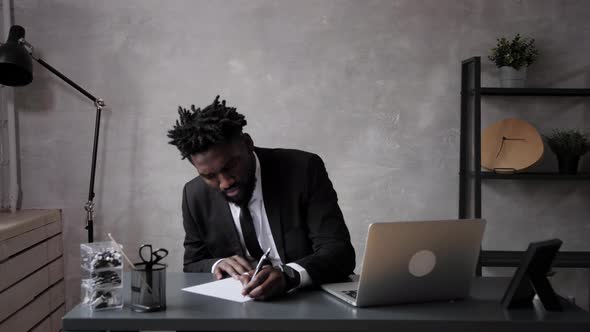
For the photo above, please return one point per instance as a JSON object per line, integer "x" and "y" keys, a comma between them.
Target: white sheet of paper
{"x": 227, "y": 289}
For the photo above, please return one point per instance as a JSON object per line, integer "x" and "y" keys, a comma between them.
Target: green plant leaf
{"x": 568, "y": 142}
{"x": 517, "y": 53}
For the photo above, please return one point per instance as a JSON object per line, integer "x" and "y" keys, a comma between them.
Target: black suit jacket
{"x": 302, "y": 208}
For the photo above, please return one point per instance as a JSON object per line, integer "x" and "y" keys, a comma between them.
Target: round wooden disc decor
{"x": 510, "y": 145}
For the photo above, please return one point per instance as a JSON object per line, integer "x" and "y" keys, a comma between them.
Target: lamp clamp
{"x": 29, "y": 48}
{"x": 99, "y": 103}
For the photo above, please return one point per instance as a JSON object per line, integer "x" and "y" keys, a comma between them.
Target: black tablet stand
{"x": 531, "y": 278}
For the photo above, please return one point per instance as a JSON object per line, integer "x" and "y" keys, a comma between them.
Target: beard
{"x": 246, "y": 187}
{"x": 246, "y": 190}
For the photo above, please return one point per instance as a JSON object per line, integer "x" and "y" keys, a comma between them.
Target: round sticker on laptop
{"x": 422, "y": 263}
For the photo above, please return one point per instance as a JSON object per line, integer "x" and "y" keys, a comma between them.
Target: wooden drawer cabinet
{"x": 31, "y": 271}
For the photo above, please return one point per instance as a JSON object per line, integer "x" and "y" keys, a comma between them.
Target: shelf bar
{"x": 535, "y": 176}
{"x": 568, "y": 259}
{"x": 549, "y": 92}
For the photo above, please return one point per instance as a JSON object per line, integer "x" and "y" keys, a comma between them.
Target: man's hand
{"x": 268, "y": 283}
{"x": 234, "y": 266}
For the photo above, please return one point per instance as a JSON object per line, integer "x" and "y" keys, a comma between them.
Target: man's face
{"x": 229, "y": 167}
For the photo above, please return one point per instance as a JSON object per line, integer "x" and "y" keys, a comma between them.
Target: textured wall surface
{"x": 371, "y": 86}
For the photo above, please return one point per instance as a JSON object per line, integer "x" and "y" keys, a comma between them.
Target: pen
{"x": 261, "y": 263}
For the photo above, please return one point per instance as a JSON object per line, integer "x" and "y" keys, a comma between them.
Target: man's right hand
{"x": 234, "y": 266}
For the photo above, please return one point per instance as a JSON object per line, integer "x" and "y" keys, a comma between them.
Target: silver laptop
{"x": 417, "y": 261}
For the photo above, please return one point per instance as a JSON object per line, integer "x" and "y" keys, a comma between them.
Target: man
{"x": 248, "y": 199}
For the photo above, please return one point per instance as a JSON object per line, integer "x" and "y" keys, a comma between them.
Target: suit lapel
{"x": 271, "y": 194}
{"x": 225, "y": 222}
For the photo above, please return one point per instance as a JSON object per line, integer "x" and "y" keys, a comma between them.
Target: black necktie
{"x": 249, "y": 233}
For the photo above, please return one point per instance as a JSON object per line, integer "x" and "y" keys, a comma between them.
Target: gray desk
{"x": 319, "y": 311}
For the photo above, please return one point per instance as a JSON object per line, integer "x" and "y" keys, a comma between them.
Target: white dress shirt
{"x": 262, "y": 228}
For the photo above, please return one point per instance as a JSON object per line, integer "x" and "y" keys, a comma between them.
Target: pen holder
{"x": 148, "y": 288}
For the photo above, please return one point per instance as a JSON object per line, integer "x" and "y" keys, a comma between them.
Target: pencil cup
{"x": 148, "y": 287}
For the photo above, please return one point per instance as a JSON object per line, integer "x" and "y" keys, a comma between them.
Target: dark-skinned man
{"x": 248, "y": 199}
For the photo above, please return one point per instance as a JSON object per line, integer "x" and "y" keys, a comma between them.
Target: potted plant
{"x": 568, "y": 145}
{"x": 513, "y": 57}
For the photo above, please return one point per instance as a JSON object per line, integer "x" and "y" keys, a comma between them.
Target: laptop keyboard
{"x": 351, "y": 293}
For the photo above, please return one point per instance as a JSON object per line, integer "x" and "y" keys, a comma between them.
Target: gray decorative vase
{"x": 568, "y": 164}
{"x": 512, "y": 78}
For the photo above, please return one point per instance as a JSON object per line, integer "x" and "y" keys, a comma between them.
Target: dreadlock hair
{"x": 197, "y": 130}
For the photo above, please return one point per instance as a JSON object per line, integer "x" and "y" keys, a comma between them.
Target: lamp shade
{"x": 16, "y": 65}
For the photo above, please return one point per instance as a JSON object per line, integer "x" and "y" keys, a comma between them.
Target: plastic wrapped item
{"x": 100, "y": 255}
{"x": 102, "y": 274}
{"x": 103, "y": 278}
{"x": 101, "y": 298}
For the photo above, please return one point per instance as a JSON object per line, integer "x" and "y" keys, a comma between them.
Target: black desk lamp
{"x": 16, "y": 69}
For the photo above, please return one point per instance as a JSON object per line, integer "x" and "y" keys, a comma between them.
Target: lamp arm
{"x": 99, "y": 104}
{"x": 89, "y": 207}
{"x": 67, "y": 80}
{"x": 56, "y": 72}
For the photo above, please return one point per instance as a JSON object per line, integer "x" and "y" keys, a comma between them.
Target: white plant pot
{"x": 512, "y": 78}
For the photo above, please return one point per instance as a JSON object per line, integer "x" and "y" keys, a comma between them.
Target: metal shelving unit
{"x": 470, "y": 174}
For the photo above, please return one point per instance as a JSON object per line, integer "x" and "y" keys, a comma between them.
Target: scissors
{"x": 151, "y": 257}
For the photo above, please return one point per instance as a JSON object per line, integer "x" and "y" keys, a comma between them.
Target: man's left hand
{"x": 268, "y": 283}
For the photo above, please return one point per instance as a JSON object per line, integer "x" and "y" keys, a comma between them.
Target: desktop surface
{"x": 315, "y": 310}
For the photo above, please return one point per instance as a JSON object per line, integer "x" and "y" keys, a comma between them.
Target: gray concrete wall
{"x": 4, "y": 176}
{"x": 4, "y": 151}
{"x": 372, "y": 86}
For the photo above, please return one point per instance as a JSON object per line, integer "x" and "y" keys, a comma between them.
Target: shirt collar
{"x": 257, "y": 194}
